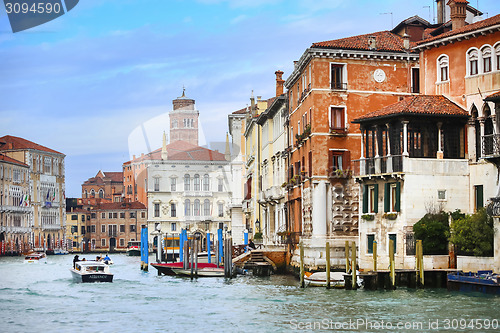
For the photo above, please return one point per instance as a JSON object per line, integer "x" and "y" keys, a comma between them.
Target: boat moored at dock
{"x": 483, "y": 281}
{"x": 134, "y": 248}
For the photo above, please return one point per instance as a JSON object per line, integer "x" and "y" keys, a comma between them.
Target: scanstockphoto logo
{"x": 26, "y": 14}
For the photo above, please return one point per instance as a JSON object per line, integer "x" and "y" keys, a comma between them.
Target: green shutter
{"x": 370, "y": 239}
{"x": 387, "y": 197}
{"x": 376, "y": 198}
{"x": 398, "y": 197}
{"x": 479, "y": 196}
{"x": 365, "y": 199}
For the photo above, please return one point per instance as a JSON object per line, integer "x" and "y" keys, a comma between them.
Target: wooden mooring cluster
{"x": 383, "y": 279}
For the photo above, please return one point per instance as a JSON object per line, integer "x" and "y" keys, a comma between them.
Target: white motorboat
{"x": 35, "y": 257}
{"x": 318, "y": 279}
{"x": 91, "y": 271}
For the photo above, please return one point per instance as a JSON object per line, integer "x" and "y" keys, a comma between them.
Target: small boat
{"x": 483, "y": 281}
{"x": 60, "y": 252}
{"x": 91, "y": 271}
{"x": 35, "y": 257}
{"x": 134, "y": 248}
{"x": 318, "y": 279}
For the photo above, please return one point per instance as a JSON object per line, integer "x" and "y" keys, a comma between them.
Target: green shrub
{"x": 473, "y": 234}
{"x": 433, "y": 230}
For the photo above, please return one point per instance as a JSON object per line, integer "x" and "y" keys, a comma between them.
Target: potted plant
{"x": 257, "y": 237}
{"x": 368, "y": 217}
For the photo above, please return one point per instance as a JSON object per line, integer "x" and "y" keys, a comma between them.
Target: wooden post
{"x": 230, "y": 256}
{"x": 374, "y": 256}
{"x": 217, "y": 253}
{"x": 347, "y": 256}
{"x": 301, "y": 246}
{"x": 192, "y": 257}
{"x": 391, "y": 263}
{"x": 186, "y": 255}
{"x": 420, "y": 260}
{"x": 417, "y": 264}
{"x": 353, "y": 265}
{"x": 327, "y": 265}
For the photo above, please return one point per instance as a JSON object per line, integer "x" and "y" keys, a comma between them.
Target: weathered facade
{"x": 16, "y": 212}
{"x": 46, "y": 190}
{"x": 414, "y": 161}
{"x": 333, "y": 83}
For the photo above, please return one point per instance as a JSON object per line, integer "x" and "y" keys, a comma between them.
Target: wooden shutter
{"x": 375, "y": 206}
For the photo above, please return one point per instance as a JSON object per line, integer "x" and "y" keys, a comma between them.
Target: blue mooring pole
{"x": 209, "y": 254}
{"x": 245, "y": 240}
{"x": 221, "y": 248}
{"x": 144, "y": 249}
{"x": 181, "y": 246}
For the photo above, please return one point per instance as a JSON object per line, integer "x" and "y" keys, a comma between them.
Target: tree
{"x": 433, "y": 230}
{"x": 473, "y": 234}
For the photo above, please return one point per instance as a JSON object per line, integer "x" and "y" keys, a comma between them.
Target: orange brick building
{"x": 333, "y": 83}
{"x": 104, "y": 185}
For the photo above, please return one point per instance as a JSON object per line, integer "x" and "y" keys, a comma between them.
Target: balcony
{"x": 339, "y": 86}
{"x": 378, "y": 165}
{"x": 199, "y": 218}
{"x": 491, "y": 145}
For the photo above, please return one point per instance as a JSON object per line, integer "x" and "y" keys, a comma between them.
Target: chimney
{"x": 406, "y": 41}
{"x": 279, "y": 83}
{"x": 458, "y": 13}
{"x": 440, "y": 11}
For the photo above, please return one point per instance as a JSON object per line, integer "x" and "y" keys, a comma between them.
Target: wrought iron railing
{"x": 493, "y": 208}
{"x": 339, "y": 85}
{"x": 491, "y": 145}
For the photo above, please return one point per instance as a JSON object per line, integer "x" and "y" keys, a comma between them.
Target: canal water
{"x": 43, "y": 298}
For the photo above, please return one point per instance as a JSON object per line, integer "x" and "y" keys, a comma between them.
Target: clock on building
{"x": 379, "y": 75}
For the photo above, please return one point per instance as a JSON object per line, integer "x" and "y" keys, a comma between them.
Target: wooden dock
{"x": 435, "y": 278}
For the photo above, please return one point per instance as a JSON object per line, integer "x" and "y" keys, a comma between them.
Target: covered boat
{"x": 35, "y": 257}
{"x": 483, "y": 281}
{"x": 173, "y": 268}
{"x": 91, "y": 271}
{"x": 134, "y": 248}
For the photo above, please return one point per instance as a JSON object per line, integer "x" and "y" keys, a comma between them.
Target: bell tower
{"x": 184, "y": 120}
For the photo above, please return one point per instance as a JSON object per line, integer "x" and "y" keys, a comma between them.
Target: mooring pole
{"x": 327, "y": 265}
{"x": 144, "y": 249}
{"x": 347, "y": 256}
{"x": 217, "y": 253}
{"x": 209, "y": 252}
{"x": 391, "y": 263}
{"x": 374, "y": 256}
{"x": 181, "y": 246}
{"x": 353, "y": 265}
{"x": 420, "y": 263}
{"x": 192, "y": 257}
{"x": 186, "y": 254}
{"x": 301, "y": 246}
{"x": 196, "y": 248}
{"x": 221, "y": 242}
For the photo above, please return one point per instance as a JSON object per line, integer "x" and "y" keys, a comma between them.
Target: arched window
{"x": 477, "y": 130}
{"x": 206, "y": 183}
{"x": 206, "y": 207}
{"x": 101, "y": 193}
{"x": 196, "y": 210}
{"x": 86, "y": 195}
{"x": 472, "y": 58}
{"x": 486, "y": 54}
{"x": 92, "y": 193}
{"x": 187, "y": 182}
{"x": 497, "y": 56}
{"x": 196, "y": 182}
{"x": 488, "y": 131}
{"x": 443, "y": 68}
{"x": 187, "y": 207}
{"x": 174, "y": 123}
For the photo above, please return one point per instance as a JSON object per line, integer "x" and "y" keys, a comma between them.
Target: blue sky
{"x": 83, "y": 82}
